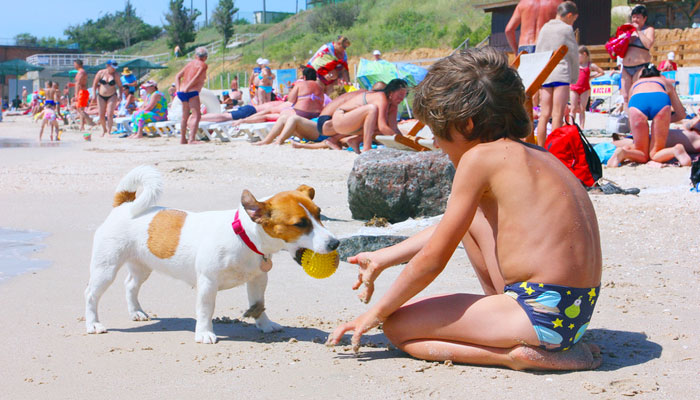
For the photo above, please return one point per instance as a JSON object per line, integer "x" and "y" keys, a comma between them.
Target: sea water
{"x": 16, "y": 248}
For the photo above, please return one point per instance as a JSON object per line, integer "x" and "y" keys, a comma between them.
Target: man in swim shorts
{"x": 530, "y": 16}
{"x": 81, "y": 92}
{"x": 188, "y": 83}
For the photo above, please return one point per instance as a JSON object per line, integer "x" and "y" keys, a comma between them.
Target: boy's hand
{"x": 369, "y": 271}
{"x": 359, "y": 326}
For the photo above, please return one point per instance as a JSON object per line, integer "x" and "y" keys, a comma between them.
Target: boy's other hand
{"x": 359, "y": 326}
{"x": 369, "y": 271}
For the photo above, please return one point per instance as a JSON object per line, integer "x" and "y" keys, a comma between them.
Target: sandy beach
{"x": 647, "y": 321}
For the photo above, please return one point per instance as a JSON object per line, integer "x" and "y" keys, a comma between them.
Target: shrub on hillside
{"x": 332, "y": 17}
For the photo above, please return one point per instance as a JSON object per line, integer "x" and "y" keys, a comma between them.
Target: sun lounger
{"x": 203, "y": 132}
{"x": 418, "y": 138}
{"x": 256, "y": 132}
{"x": 166, "y": 128}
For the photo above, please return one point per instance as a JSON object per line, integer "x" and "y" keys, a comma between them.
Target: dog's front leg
{"x": 206, "y": 300}
{"x": 256, "y": 299}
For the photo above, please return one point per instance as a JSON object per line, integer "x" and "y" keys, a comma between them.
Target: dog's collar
{"x": 238, "y": 229}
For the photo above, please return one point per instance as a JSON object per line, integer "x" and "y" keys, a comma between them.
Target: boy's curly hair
{"x": 477, "y": 84}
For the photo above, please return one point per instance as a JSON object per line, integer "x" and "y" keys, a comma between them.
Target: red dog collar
{"x": 238, "y": 229}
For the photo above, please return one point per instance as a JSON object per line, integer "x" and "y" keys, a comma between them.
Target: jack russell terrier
{"x": 212, "y": 250}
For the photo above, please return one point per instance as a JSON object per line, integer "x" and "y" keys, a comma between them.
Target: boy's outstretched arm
{"x": 468, "y": 186}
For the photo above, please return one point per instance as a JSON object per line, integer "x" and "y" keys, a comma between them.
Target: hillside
{"x": 405, "y": 29}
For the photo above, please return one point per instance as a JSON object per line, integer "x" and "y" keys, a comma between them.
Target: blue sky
{"x": 51, "y": 17}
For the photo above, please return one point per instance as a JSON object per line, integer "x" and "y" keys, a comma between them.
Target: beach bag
{"x": 573, "y": 149}
{"x": 617, "y": 45}
{"x": 695, "y": 173}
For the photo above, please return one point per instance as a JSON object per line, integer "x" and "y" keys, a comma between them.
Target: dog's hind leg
{"x": 206, "y": 301}
{"x": 256, "y": 299}
{"x": 103, "y": 270}
{"x": 138, "y": 274}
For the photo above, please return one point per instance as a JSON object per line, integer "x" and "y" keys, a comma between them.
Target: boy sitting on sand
{"x": 527, "y": 224}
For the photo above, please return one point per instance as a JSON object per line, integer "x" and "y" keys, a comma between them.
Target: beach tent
{"x": 371, "y": 72}
{"x": 17, "y": 67}
{"x": 140, "y": 64}
{"x": 90, "y": 69}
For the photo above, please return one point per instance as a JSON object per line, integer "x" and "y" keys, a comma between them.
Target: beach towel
{"x": 617, "y": 45}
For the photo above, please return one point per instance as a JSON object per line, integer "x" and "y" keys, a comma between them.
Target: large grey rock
{"x": 397, "y": 184}
{"x": 352, "y": 245}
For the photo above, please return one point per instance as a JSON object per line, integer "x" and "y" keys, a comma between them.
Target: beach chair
{"x": 418, "y": 138}
{"x": 166, "y": 128}
{"x": 534, "y": 70}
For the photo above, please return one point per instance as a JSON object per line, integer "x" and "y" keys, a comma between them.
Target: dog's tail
{"x": 145, "y": 177}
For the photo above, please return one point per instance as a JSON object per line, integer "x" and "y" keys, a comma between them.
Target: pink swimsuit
{"x": 583, "y": 84}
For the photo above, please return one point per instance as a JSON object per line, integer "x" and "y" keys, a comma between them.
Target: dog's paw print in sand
{"x": 181, "y": 170}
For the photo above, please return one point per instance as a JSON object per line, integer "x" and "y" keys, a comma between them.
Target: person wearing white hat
{"x": 154, "y": 109}
{"x": 668, "y": 64}
{"x": 377, "y": 55}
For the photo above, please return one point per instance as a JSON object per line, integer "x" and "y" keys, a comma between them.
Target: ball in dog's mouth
{"x": 299, "y": 253}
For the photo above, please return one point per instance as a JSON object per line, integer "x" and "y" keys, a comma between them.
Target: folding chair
{"x": 533, "y": 69}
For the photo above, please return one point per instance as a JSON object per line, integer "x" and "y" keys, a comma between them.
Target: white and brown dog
{"x": 213, "y": 250}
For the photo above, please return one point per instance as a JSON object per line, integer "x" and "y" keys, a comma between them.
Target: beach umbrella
{"x": 371, "y": 72}
{"x": 139, "y": 64}
{"x": 17, "y": 67}
{"x": 411, "y": 73}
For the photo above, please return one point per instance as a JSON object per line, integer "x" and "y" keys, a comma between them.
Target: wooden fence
{"x": 687, "y": 53}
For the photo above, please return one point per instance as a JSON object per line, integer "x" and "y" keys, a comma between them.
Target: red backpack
{"x": 572, "y": 148}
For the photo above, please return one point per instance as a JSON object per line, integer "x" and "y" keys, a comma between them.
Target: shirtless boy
{"x": 529, "y": 15}
{"x": 188, "y": 83}
{"x": 527, "y": 224}
{"x": 81, "y": 92}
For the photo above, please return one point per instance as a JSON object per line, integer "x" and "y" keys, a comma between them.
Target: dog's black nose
{"x": 333, "y": 244}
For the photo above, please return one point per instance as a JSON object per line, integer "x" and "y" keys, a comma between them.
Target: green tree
{"x": 180, "y": 26}
{"x": 223, "y": 22}
{"x": 26, "y": 39}
{"x": 112, "y": 31}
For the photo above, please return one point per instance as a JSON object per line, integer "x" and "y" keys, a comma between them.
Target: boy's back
{"x": 544, "y": 222}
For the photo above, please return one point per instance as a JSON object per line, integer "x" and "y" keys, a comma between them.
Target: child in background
{"x": 49, "y": 117}
{"x": 581, "y": 90}
{"x": 526, "y": 222}
{"x": 554, "y": 93}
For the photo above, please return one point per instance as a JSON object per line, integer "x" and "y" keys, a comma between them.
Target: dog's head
{"x": 292, "y": 217}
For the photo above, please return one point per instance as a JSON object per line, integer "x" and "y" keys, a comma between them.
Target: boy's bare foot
{"x": 580, "y": 356}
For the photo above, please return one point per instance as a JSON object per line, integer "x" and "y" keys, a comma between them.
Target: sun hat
{"x": 149, "y": 83}
{"x": 225, "y": 93}
{"x": 671, "y": 56}
{"x": 377, "y": 53}
{"x": 126, "y": 71}
{"x": 265, "y": 61}
{"x": 112, "y": 63}
{"x": 259, "y": 61}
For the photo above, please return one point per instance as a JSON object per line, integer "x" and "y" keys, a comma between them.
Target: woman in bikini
{"x": 369, "y": 112}
{"x": 653, "y": 97}
{"x": 106, "y": 87}
{"x": 638, "y": 55}
{"x": 264, "y": 90}
{"x": 307, "y": 96}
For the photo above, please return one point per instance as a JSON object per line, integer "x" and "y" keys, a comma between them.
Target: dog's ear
{"x": 255, "y": 209}
{"x": 307, "y": 190}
